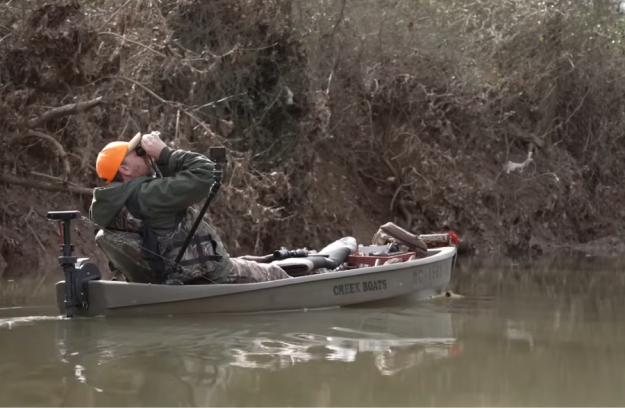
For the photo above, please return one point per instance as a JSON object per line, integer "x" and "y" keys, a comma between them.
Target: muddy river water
{"x": 546, "y": 332}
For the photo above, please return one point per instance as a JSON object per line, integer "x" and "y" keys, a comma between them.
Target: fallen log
{"x": 41, "y": 185}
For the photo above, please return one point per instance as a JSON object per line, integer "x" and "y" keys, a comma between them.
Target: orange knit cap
{"x": 111, "y": 157}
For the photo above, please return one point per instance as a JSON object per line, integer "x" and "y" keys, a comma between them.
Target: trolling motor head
{"x": 64, "y": 218}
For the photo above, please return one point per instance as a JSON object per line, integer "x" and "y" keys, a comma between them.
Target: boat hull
{"x": 421, "y": 279}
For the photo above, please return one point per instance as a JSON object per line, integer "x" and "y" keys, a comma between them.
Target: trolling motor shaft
{"x": 67, "y": 260}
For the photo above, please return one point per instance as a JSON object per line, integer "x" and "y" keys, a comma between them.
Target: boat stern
{"x": 92, "y": 304}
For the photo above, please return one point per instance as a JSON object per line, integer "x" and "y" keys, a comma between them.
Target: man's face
{"x": 135, "y": 166}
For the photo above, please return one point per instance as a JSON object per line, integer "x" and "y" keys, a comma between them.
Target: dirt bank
{"x": 338, "y": 117}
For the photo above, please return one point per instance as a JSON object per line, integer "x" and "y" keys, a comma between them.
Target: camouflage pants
{"x": 251, "y": 272}
{"x": 123, "y": 250}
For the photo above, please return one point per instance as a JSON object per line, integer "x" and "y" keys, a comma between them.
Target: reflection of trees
{"x": 529, "y": 362}
{"x": 589, "y": 279}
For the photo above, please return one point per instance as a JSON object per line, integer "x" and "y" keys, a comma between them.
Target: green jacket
{"x": 187, "y": 179}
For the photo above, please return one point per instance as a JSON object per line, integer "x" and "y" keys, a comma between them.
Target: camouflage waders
{"x": 122, "y": 244}
{"x": 198, "y": 264}
{"x": 244, "y": 271}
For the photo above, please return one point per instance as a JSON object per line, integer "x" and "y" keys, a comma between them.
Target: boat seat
{"x": 123, "y": 249}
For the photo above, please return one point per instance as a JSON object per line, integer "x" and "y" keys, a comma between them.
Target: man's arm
{"x": 189, "y": 181}
{"x": 162, "y": 162}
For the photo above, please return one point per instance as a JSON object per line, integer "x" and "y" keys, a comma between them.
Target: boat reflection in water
{"x": 390, "y": 353}
{"x": 339, "y": 356}
{"x": 247, "y": 360}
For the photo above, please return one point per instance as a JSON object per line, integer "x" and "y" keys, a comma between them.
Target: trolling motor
{"x": 78, "y": 272}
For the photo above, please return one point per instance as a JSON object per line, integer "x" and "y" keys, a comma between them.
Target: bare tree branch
{"x": 124, "y": 38}
{"x": 59, "y": 148}
{"x": 177, "y": 105}
{"x": 11, "y": 179}
{"x": 65, "y": 110}
{"x": 525, "y": 136}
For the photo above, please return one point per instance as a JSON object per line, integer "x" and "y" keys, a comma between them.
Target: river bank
{"x": 336, "y": 121}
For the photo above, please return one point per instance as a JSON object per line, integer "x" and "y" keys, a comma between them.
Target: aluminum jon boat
{"x": 84, "y": 293}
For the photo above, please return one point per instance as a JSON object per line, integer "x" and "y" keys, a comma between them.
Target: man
{"x": 159, "y": 210}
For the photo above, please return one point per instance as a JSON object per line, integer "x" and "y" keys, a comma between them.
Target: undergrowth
{"x": 335, "y": 113}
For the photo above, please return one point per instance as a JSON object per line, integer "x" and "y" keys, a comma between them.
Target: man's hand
{"x": 152, "y": 144}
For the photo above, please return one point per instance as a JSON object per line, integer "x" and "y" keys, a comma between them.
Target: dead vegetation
{"x": 338, "y": 116}
{"x": 438, "y": 98}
